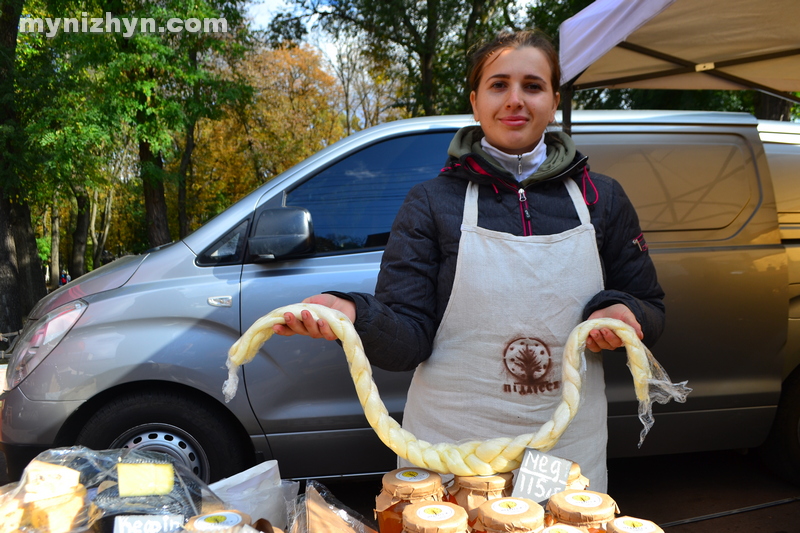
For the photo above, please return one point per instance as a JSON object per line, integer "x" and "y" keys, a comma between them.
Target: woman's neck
{"x": 521, "y": 166}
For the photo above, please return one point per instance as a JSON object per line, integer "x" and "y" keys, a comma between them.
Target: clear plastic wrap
{"x": 660, "y": 389}
{"x": 318, "y": 511}
{"x": 75, "y": 489}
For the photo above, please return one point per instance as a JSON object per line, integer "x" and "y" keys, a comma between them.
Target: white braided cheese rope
{"x": 463, "y": 459}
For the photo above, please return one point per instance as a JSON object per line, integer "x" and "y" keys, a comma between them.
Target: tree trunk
{"x": 770, "y": 107}
{"x": 29, "y": 266}
{"x": 77, "y": 266}
{"x": 55, "y": 244}
{"x": 10, "y": 299}
{"x": 12, "y": 147}
{"x": 99, "y": 238}
{"x": 155, "y": 205}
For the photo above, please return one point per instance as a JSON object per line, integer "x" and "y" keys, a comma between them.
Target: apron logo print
{"x": 528, "y": 361}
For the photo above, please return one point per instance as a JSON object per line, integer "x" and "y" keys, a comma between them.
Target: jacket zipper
{"x": 524, "y": 209}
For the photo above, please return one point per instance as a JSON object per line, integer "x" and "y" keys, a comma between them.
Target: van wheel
{"x": 195, "y": 436}
{"x": 781, "y": 451}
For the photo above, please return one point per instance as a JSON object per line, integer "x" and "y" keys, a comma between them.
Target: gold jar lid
{"x": 629, "y": 524}
{"x": 434, "y": 517}
{"x": 509, "y": 514}
{"x": 409, "y": 484}
{"x": 582, "y": 507}
{"x": 494, "y": 482}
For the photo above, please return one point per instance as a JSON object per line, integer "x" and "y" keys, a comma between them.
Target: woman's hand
{"x": 604, "y": 338}
{"x": 317, "y": 329}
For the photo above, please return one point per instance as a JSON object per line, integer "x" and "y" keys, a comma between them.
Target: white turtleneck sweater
{"x": 521, "y": 166}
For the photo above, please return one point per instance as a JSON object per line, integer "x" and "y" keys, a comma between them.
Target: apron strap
{"x": 470, "y": 217}
{"x": 577, "y": 200}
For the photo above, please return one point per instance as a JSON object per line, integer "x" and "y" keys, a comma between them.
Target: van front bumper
{"x": 29, "y": 427}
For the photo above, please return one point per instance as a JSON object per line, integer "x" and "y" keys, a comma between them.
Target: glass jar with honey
{"x": 509, "y": 515}
{"x": 402, "y": 487}
{"x": 582, "y": 508}
{"x": 471, "y": 491}
{"x": 629, "y": 524}
{"x": 434, "y": 517}
{"x": 562, "y": 528}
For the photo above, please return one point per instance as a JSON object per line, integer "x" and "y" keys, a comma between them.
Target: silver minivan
{"x": 133, "y": 354}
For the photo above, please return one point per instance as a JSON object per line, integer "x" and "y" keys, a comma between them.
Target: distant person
{"x": 64, "y": 278}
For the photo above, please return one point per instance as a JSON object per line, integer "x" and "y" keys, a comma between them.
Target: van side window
{"x": 678, "y": 182}
{"x": 354, "y": 201}
{"x": 226, "y": 251}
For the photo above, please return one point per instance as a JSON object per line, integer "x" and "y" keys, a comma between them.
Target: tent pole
{"x": 566, "y": 107}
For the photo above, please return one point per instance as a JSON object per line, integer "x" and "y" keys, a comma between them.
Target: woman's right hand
{"x": 317, "y": 329}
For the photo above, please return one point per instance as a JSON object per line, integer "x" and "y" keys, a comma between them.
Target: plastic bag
{"x": 259, "y": 492}
{"x": 661, "y": 389}
{"x": 74, "y": 489}
{"x": 318, "y": 511}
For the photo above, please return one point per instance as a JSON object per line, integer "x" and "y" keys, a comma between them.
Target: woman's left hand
{"x": 604, "y": 338}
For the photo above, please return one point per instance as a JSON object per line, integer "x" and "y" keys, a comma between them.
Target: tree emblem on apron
{"x": 528, "y": 361}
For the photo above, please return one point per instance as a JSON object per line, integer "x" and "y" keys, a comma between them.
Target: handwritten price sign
{"x": 540, "y": 476}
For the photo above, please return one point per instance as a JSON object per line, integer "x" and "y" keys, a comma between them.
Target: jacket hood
{"x": 561, "y": 154}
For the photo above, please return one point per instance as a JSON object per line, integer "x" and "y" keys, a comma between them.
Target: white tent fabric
{"x": 684, "y": 44}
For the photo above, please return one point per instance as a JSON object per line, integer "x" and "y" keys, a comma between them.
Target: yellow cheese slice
{"x": 145, "y": 479}
{"x": 46, "y": 480}
{"x": 60, "y": 514}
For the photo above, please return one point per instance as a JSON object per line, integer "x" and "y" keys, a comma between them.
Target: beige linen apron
{"x": 495, "y": 370}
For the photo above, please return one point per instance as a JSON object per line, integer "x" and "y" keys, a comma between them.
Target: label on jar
{"x": 435, "y": 513}
{"x": 509, "y": 507}
{"x": 412, "y": 475}
{"x": 634, "y": 525}
{"x": 214, "y": 521}
{"x": 584, "y": 499}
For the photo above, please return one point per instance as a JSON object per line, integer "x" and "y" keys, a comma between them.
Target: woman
{"x": 491, "y": 264}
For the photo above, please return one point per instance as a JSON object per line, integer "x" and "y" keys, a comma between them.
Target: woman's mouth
{"x": 514, "y": 121}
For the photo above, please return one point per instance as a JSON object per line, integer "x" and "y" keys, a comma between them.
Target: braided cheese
{"x": 465, "y": 458}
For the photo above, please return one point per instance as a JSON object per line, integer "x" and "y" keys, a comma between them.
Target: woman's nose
{"x": 513, "y": 99}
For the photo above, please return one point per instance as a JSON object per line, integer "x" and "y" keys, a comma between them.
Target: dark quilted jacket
{"x": 398, "y": 323}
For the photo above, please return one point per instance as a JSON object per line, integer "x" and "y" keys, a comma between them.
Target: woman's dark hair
{"x": 514, "y": 40}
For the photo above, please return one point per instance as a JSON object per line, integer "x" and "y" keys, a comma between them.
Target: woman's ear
{"x": 557, "y": 102}
{"x": 472, "y": 99}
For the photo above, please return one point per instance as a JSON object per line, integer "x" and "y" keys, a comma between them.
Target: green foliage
{"x": 43, "y": 246}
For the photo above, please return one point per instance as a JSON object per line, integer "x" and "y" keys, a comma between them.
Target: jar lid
{"x": 582, "y": 507}
{"x": 434, "y": 517}
{"x": 484, "y": 483}
{"x": 410, "y": 484}
{"x": 629, "y": 524}
{"x": 509, "y": 514}
{"x": 226, "y": 521}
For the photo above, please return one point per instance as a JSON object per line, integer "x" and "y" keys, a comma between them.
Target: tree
{"x": 294, "y": 113}
{"x": 429, "y": 41}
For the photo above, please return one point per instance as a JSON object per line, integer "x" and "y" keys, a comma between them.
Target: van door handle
{"x": 220, "y": 301}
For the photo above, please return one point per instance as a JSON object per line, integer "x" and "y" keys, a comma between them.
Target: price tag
{"x": 148, "y": 523}
{"x": 540, "y": 476}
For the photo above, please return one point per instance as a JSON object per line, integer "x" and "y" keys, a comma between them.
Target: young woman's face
{"x": 515, "y": 100}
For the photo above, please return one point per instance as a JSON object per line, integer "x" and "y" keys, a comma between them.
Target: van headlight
{"x": 40, "y": 339}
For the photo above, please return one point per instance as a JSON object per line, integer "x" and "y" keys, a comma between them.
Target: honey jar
{"x": 402, "y": 487}
{"x": 471, "y": 491}
{"x": 562, "y": 528}
{"x": 629, "y": 524}
{"x": 509, "y": 515}
{"x": 582, "y": 508}
{"x": 434, "y": 517}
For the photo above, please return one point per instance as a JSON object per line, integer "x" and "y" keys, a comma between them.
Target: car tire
{"x": 781, "y": 451}
{"x": 196, "y": 436}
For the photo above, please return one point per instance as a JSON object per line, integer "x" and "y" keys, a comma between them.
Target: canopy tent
{"x": 684, "y": 44}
